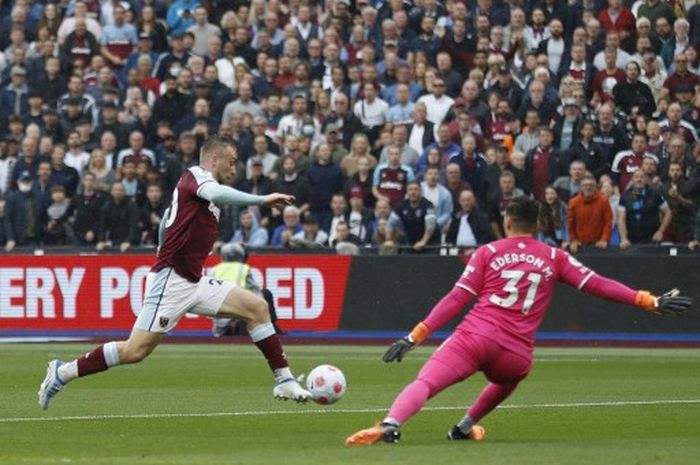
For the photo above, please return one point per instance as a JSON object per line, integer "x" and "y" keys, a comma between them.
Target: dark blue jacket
{"x": 324, "y": 181}
{"x": 16, "y": 219}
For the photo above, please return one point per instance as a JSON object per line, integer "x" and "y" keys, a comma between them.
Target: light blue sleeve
{"x": 224, "y": 195}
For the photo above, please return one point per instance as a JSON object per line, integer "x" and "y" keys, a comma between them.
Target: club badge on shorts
{"x": 163, "y": 321}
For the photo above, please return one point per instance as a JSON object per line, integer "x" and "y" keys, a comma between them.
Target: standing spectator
{"x": 655, "y": 9}
{"x": 427, "y": 41}
{"x": 28, "y": 159}
{"x": 401, "y": 112}
{"x": 589, "y": 152}
{"x": 243, "y": 104}
{"x": 555, "y": 47}
{"x": 421, "y": 132}
{"x": 498, "y": 203}
{"x": 567, "y": 129}
{"x": 371, "y": 111}
{"x": 682, "y": 77}
{"x": 610, "y": 136}
{"x": 104, "y": 175}
{"x": 338, "y": 214}
{"x": 445, "y": 147}
{"x": 136, "y": 152}
{"x": 473, "y": 166}
{"x": 438, "y": 195}
{"x": 391, "y": 178}
{"x": 347, "y": 123}
{"x": 674, "y": 123}
{"x": 25, "y": 214}
{"x": 152, "y": 214}
{"x": 57, "y": 230}
{"x": 283, "y": 234}
{"x": 682, "y": 209}
{"x": 362, "y": 180}
{"x": 7, "y": 167}
{"x": 118, "y": 39}
{"x": 643, "y": 214}
{"x": 134, "y": 187}
{"x": 568, "y": 186}
{"x": 325, "y": 179}
{"x": 119, "y": 224}
{"x": 633, "y": 93}
{"x": 79, "y": 45}
{"x": 180, "y": 16}
{"x": 544, "y": 164}
{"x": 437, "y": 103}
{"x": 292, "y": 183}
{"x": 553, "y": 220}
{"x": 85, "y": 210}
{"x": 62, "y": 174}
{"x": 589, "y": 218}
{"x": 678, "y": 44}
{"x": 75, "y": 156}
{"x": 202, "y": 30}
{"x": 617, "y": 17}
{"x": 415, "y": 216}
{"x": 399, "y": 137}
{"x": 629, "y": 161}
{"x": 468, "y": 227}
{"x": 249, "y": 232}
{"x": 14, "y": 96}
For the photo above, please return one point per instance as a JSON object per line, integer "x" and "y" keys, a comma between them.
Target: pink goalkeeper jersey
{"x": 514, "y": 281}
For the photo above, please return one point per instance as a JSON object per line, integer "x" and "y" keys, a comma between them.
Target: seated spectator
{"x": 25, "y": 214}
{"x": 415, "y": 217}
{"x": 469, "y": 227}
{"x": 384, "y": 238}
{"x": 249, "y": 232}
{"x": 311, "y": 235}
{"x": 262, "y": 155}
{"x": 282, "y": 235}
{"x": 57, "y": 228}
{"x": 682, "y": 208}
{"x": 119, "y": 221}
{"x": 455, "y": 184}
{"x": 568, "y": 186}
{"x": 589, "y": 218}
{"x": 136, "y": 151}
{"x": 439, "y": 196}
{"x": 363, "y": 181}
{"x": 643, "y": 214}
{"x": 152, "y": 214}
{"x": 553, "y": 220}
{"x": 85, "y": 211}
{"x": 104, "y": 176}
{"x": 338, "y": 213}
{"x": 342, "y": 236}
{"x": 391, "y": 178}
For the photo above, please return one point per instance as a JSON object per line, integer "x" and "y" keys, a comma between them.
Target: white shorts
{"x": 169, "y": 296}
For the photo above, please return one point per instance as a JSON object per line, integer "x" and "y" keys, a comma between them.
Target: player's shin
{"x": 265, "y": 337}
{"x": 100, "y": 359}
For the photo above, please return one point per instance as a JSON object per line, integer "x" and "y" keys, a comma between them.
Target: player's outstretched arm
{"x": 670, "y": 303}
{"x": 225, "y": 195}
{"x": 448, "y": 307}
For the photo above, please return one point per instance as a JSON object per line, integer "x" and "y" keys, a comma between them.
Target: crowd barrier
{"x": 91, "y": 294}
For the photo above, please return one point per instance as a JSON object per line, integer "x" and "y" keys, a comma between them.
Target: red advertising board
{"x": 104, "y": 293}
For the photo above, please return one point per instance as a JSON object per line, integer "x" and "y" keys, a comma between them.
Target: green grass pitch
{"x": 212, "y": 404}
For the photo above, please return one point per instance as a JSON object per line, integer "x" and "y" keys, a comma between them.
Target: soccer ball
{"x": 326, "y": 384}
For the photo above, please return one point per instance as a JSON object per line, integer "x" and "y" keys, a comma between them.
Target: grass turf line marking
{"x": 366, "y": 410}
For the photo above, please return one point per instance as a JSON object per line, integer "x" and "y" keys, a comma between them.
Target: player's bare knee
{"x": 259, "y": 312}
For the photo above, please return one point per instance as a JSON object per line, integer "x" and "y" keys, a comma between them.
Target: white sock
{"x": 282, "y": 374}
{"x": 68, "y": 371}
{"x": 262, "y": 331}
{"x": 391, "y": 421}
{"x": 111, "y": 354}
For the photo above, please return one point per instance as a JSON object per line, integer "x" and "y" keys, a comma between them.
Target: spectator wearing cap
{"x": 13, "y": 97}
{"x": 311, "y": 234}
{"x": 325, "y": 179}
{"x": 359, "y": 217}
{"x": 249, "y": 232}
{"x": 643, "y": 214}
{"x": 567, "y": 129}
{"x": 79, "y": 44}
{"x": 144, "y": 47}
{"x": 176, "y": 55}
{"x": 632, "y": 93}
{"x": 25, "y": 213}
{"x": 627, "y": 162}
{"x": 507, "y": 88}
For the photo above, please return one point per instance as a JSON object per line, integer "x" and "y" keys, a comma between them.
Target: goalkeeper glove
{"x": 399, "y": 348}
{"x": 670, "y": 303}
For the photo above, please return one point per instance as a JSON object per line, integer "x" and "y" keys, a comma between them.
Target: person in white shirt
{"x": 298, "y": 122}
{"x": 371, "y": 110}
{"x": 76, "y": 157}
{"x": 437, "y": 103}
{"x": 612, "y": 43}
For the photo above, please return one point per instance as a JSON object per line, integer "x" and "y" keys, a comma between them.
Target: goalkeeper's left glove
{"x": 401, "y": 347}
{"x": 670, "y": 303}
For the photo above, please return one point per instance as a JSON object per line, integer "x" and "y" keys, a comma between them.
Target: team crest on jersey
{"x": 216, "y": 211}
{"x": 400, "y": 176}
{"x": 163, "y": 321}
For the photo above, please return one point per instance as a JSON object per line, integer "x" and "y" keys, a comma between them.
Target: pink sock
{"x": 490, "y": 397}
{"x": 410, "y": 401}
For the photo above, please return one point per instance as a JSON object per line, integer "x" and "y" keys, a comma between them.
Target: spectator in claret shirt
{"x": 544, "y": 164}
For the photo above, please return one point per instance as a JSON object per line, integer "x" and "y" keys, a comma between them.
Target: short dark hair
{"x": 524, "y": 213}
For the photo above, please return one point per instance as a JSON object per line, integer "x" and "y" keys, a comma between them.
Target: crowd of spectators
{"x": 399, "y": 124}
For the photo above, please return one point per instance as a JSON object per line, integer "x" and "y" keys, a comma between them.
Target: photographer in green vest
{"x": 233, "y": 268}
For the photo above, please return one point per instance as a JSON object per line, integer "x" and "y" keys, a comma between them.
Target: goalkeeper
{"x": 513, "y": 280}
{"x": 235, "y": 270}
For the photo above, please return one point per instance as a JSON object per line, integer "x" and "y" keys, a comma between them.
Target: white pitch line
{"x": 365, "y": 410}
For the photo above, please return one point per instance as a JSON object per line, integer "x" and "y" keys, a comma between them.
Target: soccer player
{"x": 176, "y": 286}
{"x": 514, "y": 281}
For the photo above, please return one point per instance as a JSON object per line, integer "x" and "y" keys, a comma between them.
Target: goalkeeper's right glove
{"x": 399, "y": 348}
{"x": 670, "y": 303}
